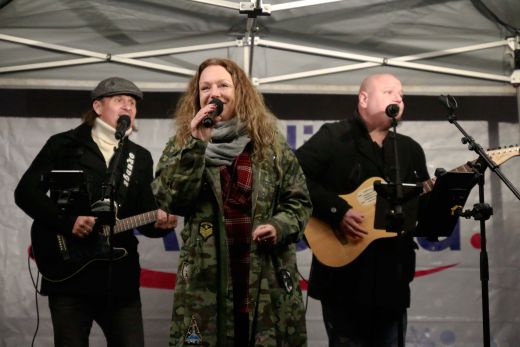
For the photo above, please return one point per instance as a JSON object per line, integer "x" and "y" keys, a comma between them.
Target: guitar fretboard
{"x": 498, "y": 156}
{"x": 428, "y": 185}
{"x": 132, "y": 222}
{"x": 135, "y": 221}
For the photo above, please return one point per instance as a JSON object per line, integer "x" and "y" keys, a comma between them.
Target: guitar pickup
{"x": 62, "y": 245}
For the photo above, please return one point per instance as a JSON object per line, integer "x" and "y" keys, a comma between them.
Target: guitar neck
{"x": 135, "y": 221}
{"x": 498, "y": 156}
{"x": 428, "y": 184}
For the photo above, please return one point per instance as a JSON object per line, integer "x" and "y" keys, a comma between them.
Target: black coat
{"x": 336, "y": 160}
{"x": 76, "y": 150}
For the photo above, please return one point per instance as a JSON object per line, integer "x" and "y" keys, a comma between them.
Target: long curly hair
{"x": 250, "y": 108}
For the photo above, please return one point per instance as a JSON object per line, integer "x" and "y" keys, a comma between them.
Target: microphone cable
{"x": 306, "y": 281}
{"x": 36, "y": 292}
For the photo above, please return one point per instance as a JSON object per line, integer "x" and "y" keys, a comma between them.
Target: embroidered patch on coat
{"x": 285, "y": 281}
{"x": 206, "y": 230}
{"x": 184, "y": 271}
{"x": 193, "y": 336}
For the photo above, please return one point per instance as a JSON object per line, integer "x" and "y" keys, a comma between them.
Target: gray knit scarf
{"x": 229, "y": 138}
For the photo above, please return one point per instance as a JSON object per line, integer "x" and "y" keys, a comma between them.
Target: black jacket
{"x": 76, "y": 150}
{"x": 336, "y": 160}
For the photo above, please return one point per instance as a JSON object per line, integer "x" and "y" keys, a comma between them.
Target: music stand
{"x": 385, "y": 215}
{"x": 395, "y": 201}
{"x": 68, "y": 188}
{"x": 444, "y": 206}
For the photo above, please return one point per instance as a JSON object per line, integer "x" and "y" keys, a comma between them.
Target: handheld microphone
{"x": 123, "y": 123}
{"x": 208, "y": 121}
{"x": 392, "y": 110}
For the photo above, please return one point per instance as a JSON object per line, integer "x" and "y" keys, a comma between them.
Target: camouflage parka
{"x": 203, "y": 297}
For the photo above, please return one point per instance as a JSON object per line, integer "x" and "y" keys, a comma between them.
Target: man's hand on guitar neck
{"x": 351, "y": 226}
{"x": 83, "y": 226}
{"x": 165, "y": 220}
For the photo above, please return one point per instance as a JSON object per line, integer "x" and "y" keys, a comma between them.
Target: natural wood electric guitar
{"x": 334, "y": 249}
{"x": 59, "y": 257}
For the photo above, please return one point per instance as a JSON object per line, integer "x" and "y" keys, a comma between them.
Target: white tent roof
{"x": 307, "y": 46}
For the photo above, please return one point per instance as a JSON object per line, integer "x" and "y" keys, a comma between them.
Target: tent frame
{"x": 253, "y": 9}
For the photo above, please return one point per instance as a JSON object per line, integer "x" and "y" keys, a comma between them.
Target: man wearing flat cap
{"x": 67, "y": 241}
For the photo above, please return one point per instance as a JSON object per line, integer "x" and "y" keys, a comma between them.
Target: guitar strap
{"x": 124, "y": 173}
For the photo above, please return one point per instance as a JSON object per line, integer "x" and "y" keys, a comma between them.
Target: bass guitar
{"x": 60, "y": 257}
{"x": 334, "y": 249}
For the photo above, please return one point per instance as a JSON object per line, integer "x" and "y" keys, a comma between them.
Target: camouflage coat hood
{"x": 203, "y": 298}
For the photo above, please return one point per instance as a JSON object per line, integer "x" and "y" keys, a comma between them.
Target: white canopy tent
{"x": 315, "y": 46}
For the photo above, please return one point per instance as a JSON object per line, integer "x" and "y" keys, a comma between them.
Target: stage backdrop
{"x": 446, "y": 306}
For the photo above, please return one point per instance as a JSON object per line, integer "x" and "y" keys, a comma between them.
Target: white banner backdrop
{"x": 446, "y": 294}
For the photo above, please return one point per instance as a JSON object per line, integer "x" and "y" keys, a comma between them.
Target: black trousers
{"x": 375, "y": 328}
{"x": 72, "y": 318}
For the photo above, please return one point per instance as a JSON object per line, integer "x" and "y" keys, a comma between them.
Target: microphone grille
{"x": 220, "y": 105}
{"x": 125, "y": 119}
{"x": 392, "y": 110}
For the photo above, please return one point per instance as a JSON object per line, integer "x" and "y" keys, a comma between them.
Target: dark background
{"x": 73, "y": 103}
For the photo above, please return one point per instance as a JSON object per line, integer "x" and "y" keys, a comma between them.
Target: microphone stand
{"x": 107, "y": 216}
{"x": 450, "y": 102}
{"x": 481, "y": 211}
{"x": 395, "y": 216}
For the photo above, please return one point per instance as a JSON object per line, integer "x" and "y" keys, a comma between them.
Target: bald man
{"x": 364, "y": 299}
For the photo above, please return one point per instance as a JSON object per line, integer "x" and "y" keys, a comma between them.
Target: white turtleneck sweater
{"x": 104, "y": 136}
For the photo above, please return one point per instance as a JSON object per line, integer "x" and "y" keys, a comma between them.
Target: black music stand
{"x": 386, "y": 216}
{"x": 481, "y": 211}
{"x": 444, "y": 206}
{"x": 68, "y": 188}
{"x": 396, "y": 211}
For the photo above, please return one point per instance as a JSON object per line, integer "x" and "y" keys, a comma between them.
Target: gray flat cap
{"x": 116, "y": 86}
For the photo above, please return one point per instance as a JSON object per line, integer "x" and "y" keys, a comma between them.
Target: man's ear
{"x": 363, "y": 99}
{"x": 96, "y": 106}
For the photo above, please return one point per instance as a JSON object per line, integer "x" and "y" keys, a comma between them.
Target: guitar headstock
{"x": 503, "y": 154}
